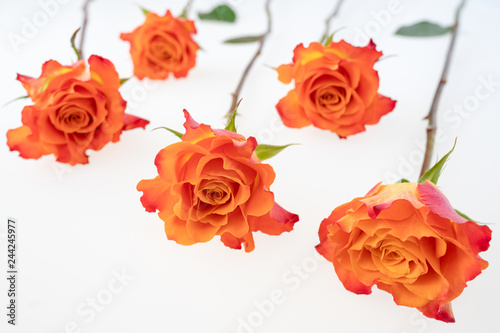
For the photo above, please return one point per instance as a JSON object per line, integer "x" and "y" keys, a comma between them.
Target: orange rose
{"x": 162, "y": 45}
{"x": 406, "y": 239}
{"x": 212, "y": 183}
{"x": 76, "y": 108}
{"x": 335, "y": 88}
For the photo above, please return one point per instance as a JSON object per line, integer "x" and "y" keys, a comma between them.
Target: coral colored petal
{"x": 201, "y": 232}
{"x": 153, "y": 190}
{"x": 479, "y": 236}
{"x": 350, "y": 281}
{"x": 277, "y": 221}
{"x": 18, "y": 139}
{"x": 171, "y": 159}
{"x": 326, "y": 247}
{"x": 402, "y": 296}
{"x": 345, "y": 131}
{"x": 304, "y": 55}
{"x": 260, "y": 202}
{"x": 430, "y": 286}
{"x": 231, "y": 241}
{"x": 131, "y": 122}
{"x": 30, "y": 84}
{"x": 175, "y": 229}
{"x": 235, "y": 243}
{"x": 127, "y": 36}
{"x": 50, "y": 69}
{"x": 436, "y": 310}
{"x": 285, "y": 73}
{"x": 194, "y": 131}
{"x": 389, "y": 193}
{"x": 433, "y": 198}
{"x": 368, "y": 55}
{"x": 103, "y": 71}
{"x": 291, "y": 112}
{"x": 381, "y": 106}
{"x": 237, "y": 225}
{"x": 189, "y": 25}
{"x": 282, "y": 216}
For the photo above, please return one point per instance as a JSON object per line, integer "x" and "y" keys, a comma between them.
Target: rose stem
{"x": 431, "y": 117}
{"x": 186, "y": 9}
{"x": 328, "y": 20}
{"x": 84, "y": 26}
{"x": 262, "y": 39}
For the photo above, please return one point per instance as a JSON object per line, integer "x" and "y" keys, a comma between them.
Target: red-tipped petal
{"x": 436, "y": 310}
{"x": 277, "y": 221}
{"x": 235, "y": 243}
{"x": 351, "y": 282}
{"x": 131, "y": 122}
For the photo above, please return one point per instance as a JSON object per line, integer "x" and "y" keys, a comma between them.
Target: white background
{"x": 80, "y": 226}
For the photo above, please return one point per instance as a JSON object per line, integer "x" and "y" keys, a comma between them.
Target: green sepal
{"x": 145, "y": 11}
{"x": 16, "y": 99}
{"x": 73, "y": 37}
{"x": 244, "y": 39}
{"x": 403, "y": 180}
{"x": 177, "y": 134}
{"x": 464, "y": 216}
{"x": 433, "y": 173}
{"x": 122, "y": 81}
{"x": 265, "y": 152}
{"x": 423, "y": 29}
{"x": 222, "y": 13}
{"x": 329, "y": 39}
{"x": 231, "y": 125}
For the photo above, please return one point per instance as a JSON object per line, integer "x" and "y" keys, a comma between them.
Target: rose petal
{"x": 153, "y": 190}
{"x": 290, "y": 111}
{"x": 19, "y": 139}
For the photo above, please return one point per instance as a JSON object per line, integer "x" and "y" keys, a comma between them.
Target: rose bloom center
{"x": 72, "y": 118}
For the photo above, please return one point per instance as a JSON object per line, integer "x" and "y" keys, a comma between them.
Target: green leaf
{"x": 177, "y": 134}
{"x": 122, "y": 81}
{"x": 73, "y": 44}
{"x": 244, "y": 39}
{"x": 145, "y": 11}
{"x": 423, "y": 29}
{"x": 222, "y": 13}
{"x": 267, "y": 151}
{"x": 16, "y": 99}
{"x": 433, "y": 173}
{"x": 404, "y": 180}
